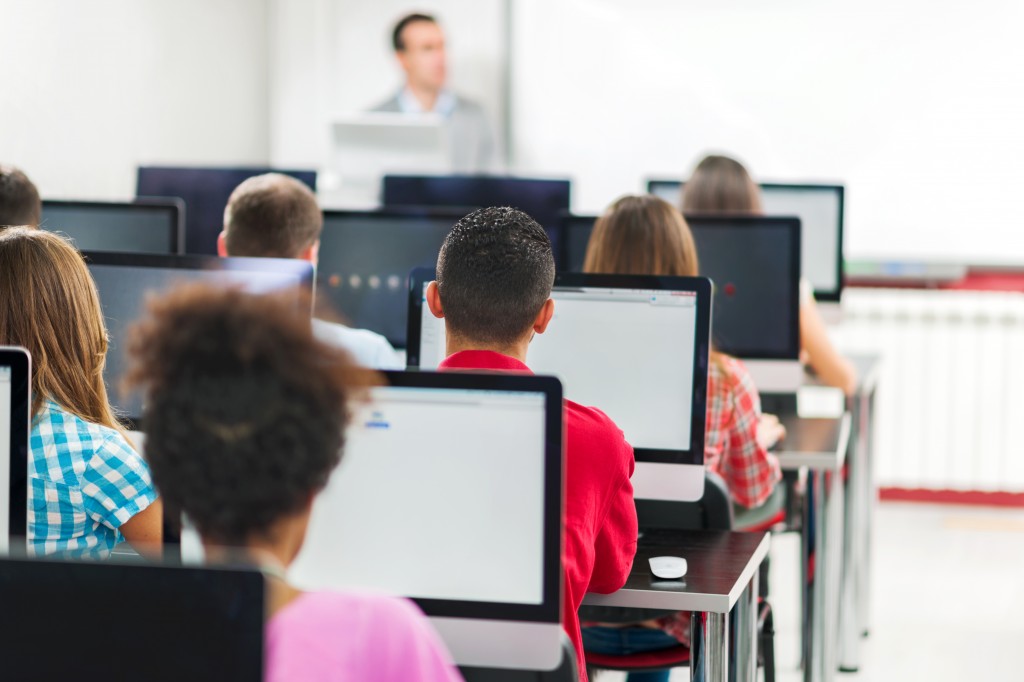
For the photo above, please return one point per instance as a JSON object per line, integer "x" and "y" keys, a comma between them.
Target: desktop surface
{"x": 146, "y": 226}
{"x": 821, "y": 212}
{"x": 153, "y": 622}
{"x": 365, "y": 260}
{"x": 124, "y": 281}
{"x": 205, "y": 192}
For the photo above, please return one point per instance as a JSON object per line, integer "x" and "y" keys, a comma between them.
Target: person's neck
{"x": 517, "y": 350}
{"x": 270, "y": 558}
{"x": 427, "y": 97}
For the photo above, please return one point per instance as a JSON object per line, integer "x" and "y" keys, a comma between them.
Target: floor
{"x": 948, "y": 601}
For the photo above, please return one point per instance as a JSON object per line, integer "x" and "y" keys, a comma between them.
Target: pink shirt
{"x": 327, "y": 636}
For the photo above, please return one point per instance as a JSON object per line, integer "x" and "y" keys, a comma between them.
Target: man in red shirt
{"x": 494, "y": 278}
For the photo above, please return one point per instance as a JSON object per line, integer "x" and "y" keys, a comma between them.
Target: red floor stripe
{"x": 965, "y": 497}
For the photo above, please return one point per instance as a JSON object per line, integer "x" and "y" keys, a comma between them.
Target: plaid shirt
{"x": 86, "y": 481}
{"x": 731, "y": 450}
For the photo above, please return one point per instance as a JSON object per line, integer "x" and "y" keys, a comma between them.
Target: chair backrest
{"x": 565, "y": 672}
{"x": 712, "y": 512}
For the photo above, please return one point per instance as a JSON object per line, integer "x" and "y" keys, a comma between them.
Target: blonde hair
{"x": 721, "y": 185}
{"x": 50, "y": 307}
{"x": 642, "y": 235}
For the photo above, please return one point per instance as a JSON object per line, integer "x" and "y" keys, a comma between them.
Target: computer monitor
{"x": 368, "y": 145}
{"x": 67, "y": 620}
{"x": 365, "y": 259}
{"x": 544, "y": 200}
{"x": 754, "y": 262}
{"x": 449, "y": 492}
{"x": 145, "y": 225}
{"x": 205, "y": 192}
{"x": 15, "y": 415}
{"x": 124, "y": 281}
{"x": 635, "y": 347}
{"x": 821, "y": 212}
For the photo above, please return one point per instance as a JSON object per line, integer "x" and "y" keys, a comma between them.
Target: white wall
{"x": 89, "y": 90}
{"x": 916, "y": 105}
{"x": 332, "y": 57}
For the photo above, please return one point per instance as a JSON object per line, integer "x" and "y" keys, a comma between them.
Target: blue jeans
{"x": 626, "y": 641}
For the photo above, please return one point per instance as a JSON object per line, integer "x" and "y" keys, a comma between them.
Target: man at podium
{"x": 419, "y": 46}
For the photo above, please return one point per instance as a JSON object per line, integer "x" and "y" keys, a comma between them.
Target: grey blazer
{"x": 473, "y": 146}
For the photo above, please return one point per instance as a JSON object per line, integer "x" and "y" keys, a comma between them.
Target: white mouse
{"x": 668, "y": 567}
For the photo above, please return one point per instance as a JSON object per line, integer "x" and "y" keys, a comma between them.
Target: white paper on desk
{"x": 820, "y": 402}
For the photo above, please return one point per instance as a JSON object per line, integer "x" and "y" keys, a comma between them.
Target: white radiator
{"x": 950, "y": 411}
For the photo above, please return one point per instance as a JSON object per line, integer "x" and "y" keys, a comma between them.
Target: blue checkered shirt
{"x": 86, "y": 481}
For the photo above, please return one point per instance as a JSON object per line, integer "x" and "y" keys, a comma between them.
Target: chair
{"x": 712, "y": 512}
{"x": 565, "y": 672}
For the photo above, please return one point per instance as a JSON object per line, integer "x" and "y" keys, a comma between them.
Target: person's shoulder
{"x": 591, "y": 424}
{"x": 732, "y": 374}
{"x": 391, "y": 104}
{"x": 57, "y": 422}
{"x": 368, "y": 347}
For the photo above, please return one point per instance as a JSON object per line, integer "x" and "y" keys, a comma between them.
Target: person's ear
{"x": 547, "y": 311}
{"x": 434, "y": 301}
{"x": 311, "y": 253}
{"x": 222, "y": 244}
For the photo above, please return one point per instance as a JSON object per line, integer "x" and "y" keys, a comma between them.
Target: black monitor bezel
{"x": 829, "y": 295}
{"x": 549, "y": 610}
{"x": 176, "y": 236}
{"x": 251, "y": 580}
{"x": 700, "y": 285}
{"x": 20, "y": 363}
{"x": 193, "y": 262}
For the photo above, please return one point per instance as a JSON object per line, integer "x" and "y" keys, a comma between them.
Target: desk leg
{"x": 828, "y": 498}
{"x": 745, "y": 629}
{"x": 712, "y": 630}
{"x": 805, "y": 576}
{"x": 870, "y": 494}
{"x": 853, "y": 533}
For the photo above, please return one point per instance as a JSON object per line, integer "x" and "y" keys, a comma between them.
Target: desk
{"x": 820, "y": 445}
{"x": 861, "y": 493}
{"x": 722, "y": 571}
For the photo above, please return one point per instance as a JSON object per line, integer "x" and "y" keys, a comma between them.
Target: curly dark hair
{"x": 245, "y": 409}
{"x": 494, "y": 274}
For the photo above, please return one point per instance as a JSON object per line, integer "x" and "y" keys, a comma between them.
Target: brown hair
{"x": 50, "y": 306}
{"x": 642, "y": 235}
{"x": 246, "y": 409}
{"x": 271, "y": 215}
{"x": 721, "y": 185}
{"x": 19, "y": 199}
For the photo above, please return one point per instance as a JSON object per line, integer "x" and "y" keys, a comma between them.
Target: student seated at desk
{"x": 245, "y": 421}
{"x": 276, "y": 216}
{"x": 720, "y": 184}
{"x": 645, "y": 235}
{"x": 19, "y": 199}
{"x": 495, "y": 273}
{"x": 88, "y": 488}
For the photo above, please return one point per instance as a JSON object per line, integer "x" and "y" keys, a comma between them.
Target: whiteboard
{"x": 916, "y": 106}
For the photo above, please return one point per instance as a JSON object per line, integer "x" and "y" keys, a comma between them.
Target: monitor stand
{"x": 776, "y": 376}
{"x": 670, "y": 482}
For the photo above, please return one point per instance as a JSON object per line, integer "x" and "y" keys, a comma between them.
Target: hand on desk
{"x": 769, "y": 431}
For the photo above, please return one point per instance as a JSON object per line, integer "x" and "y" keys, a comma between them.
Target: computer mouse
{"x": 668, "y": 567}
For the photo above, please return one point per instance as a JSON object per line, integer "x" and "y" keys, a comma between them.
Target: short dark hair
{"x": 19, "y": 199}
{"x": 396, "y": 36}
{"x": 271, "y": 215}
{"x": 245, "y": 409}
{"x": 494, "y": 274}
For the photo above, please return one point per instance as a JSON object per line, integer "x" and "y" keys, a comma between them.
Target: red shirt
{"x": 600, "y": 517}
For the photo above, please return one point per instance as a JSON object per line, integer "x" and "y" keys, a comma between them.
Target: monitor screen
{"x": 448, "y": 492}
{"x": 754, "y": 263}
{"x": 365, "y": 260}
{"x": 634, "y": 347}
{"x": 148, "y": 226}
{"x": 205, "y": 192}
{"x": 820, "y": 209}
{"x": 15, "y": 379}
{"x": 153, "y": 622}
{"x": 544, "y": 200}
{"x": 125, "y": 281}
